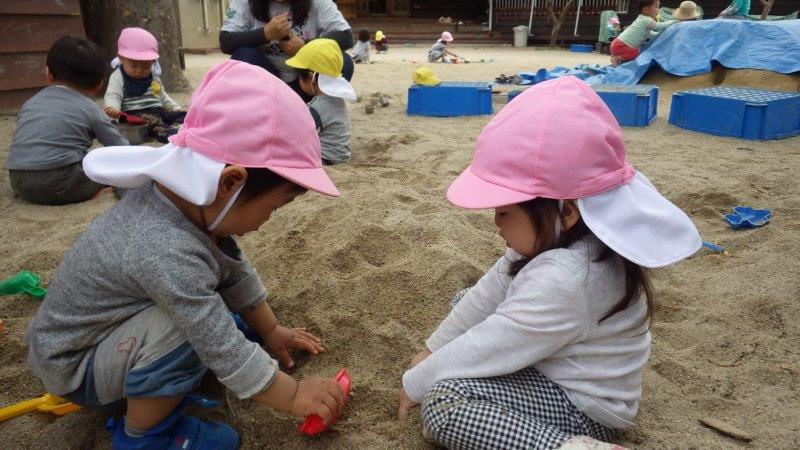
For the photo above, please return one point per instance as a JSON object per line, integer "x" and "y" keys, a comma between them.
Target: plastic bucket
{"x": 520, "y": 36}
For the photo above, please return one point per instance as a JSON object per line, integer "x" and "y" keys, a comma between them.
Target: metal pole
{"x": 490, "y": 14}
{"x": 577, "y": 17}
{"x": 530, "y": 19}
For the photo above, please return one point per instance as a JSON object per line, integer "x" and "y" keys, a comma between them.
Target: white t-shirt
{"x": 547, "y": 316}
{"x": 323, "y": 17}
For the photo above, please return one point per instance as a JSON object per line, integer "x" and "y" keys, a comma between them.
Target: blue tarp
{"x": 688, "y": 48}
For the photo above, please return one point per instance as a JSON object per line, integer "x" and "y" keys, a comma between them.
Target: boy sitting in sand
{"x": 625, "y": 47}
{"x": 439, "y": 52}
{"x": 57, "y": 126}
{"x": 141, "y": 305}
{"x": 361, "y": 49}
{"x": 319, "y": 65}
{"x": 134, "y": 88}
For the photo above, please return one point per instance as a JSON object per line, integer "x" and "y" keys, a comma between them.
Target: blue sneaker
{"x": 179, "y": 432}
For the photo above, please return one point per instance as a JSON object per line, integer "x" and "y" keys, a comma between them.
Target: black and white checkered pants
{"x": 522, "y": 410}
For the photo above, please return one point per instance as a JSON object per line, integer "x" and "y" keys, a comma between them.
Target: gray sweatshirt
{"x": 334, "y": 130}
{"x": 56, "y": 128}
{"x": 142, "y": 252}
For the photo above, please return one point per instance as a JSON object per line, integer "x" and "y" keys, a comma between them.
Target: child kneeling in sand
{"x": 57, "y": 126}
{"x": 550, "y": 344}
{"x": 134, "y": 88}
{"x": 439, "y": 52}
{"x": 625, "y": 47}
{"x": 319, "y": 65}
{"x": 141, "y": 305}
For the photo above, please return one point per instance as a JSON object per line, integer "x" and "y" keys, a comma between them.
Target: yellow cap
{"x": 424, "y": 76}
{"x": 378, "y": 35}
{"x": 320, "y": 55}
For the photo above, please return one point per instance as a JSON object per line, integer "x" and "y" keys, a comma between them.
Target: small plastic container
{"x": 581, "y": 48}
{"x": 632, "y": 105}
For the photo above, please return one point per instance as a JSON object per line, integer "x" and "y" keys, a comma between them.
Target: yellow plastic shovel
{"x": 46, "y": 403}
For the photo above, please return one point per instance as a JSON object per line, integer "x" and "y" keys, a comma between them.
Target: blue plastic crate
{"x": 581, "y": 48}
{"x": 514, "y": 93}
{"x": 450, "y": 98}
{"x": 632, "y": 105}
{"x": 754, "y": 114}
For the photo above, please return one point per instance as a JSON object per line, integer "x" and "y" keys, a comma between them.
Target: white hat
{"x": 336, "y": 87}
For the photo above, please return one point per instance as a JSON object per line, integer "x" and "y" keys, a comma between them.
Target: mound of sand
{"x": 372, "y": 273}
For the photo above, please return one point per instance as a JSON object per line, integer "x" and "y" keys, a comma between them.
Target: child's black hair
{"x": 645, "y": 3}
{"x": 543, "y": 213}
{"x": 260, "y": 181}
{"x": 298, "y": 9}
{"x": 364, "y": 35}
{"x": 77, "y": 62}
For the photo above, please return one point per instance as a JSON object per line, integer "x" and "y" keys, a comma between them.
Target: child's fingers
{"x": 304, "y": 333}
{"x": 300, "y": 343}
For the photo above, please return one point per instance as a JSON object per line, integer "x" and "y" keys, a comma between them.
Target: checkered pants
{"x": 522, "y": 410}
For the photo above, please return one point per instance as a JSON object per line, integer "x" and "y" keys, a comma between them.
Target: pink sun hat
{"x": 137, "y": 44}
{"x": 446, "y": 36}
{"x": 559, "y": 140}
{"x": 243, "y": 115}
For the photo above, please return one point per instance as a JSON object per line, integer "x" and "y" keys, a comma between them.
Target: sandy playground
{"x": 372, "y": 272}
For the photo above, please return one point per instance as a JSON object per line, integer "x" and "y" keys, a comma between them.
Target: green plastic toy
{"x": 25, "y": 282}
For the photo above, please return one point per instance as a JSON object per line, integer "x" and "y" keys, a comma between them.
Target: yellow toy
{"x": 46, "y": 403}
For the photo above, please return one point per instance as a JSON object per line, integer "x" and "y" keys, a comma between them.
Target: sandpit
{"x": 372, "y": 271}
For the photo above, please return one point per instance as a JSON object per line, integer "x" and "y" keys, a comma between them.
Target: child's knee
{"x": 440, "y": 403}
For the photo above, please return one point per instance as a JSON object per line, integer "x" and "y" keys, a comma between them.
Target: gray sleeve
{"x": 238, "y": 17}
{"x": 113, "y": 97}
{"x": 104, "y": 130}
{"x": 184, "y": 286}
{"x": 243, "y": 289}
{"x": 329, "y": 18}
{"x": 168, "y": 103}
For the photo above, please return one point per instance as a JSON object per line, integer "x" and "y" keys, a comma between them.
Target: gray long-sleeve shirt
{"x": 141, "y": 252}
{"x": 56, "y": 128}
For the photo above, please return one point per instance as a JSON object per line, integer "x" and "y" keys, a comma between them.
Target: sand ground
{"x": 372, "y": 271}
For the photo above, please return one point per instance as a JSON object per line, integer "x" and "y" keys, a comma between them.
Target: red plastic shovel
{"x": 132, "y": 119}
{"x": 314, "y": 424}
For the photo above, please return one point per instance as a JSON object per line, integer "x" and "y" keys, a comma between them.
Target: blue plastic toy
{"x": 747, "y": 217}
{"x": 754, "y": 114}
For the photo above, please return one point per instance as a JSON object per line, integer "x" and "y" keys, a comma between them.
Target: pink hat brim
{"x": 315, "y": 179}
{"x": 472, "y": 192}
{"x": 148, "y": 55}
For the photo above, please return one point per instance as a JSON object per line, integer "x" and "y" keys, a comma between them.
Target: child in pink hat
{"x": 135, "y": 88}
{"x": 143, "y": 303}
{"x": 439, "y": 52}
{"x": 549, "y": 345}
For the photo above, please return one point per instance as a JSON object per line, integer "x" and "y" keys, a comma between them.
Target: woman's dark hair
{"x": 364, "y": 35}
{"x": 543, "y": 213}
{"x": 77, "y": 62}
{"x": 298, "y": 8}
{"x": 260, "y": 181}
{"x": 645, "y": 3}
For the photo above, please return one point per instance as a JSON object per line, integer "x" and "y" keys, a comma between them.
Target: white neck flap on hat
{"x": 635, "y": 221}
{"x": 190, "y": 175}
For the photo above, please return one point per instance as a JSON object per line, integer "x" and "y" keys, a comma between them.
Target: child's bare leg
{"x": 616, "y": 60}
{"x": 145, "y": 413}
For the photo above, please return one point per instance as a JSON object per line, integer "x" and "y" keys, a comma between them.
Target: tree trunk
{"x": 557, "y": 22}
{"x": 104, "y": 19}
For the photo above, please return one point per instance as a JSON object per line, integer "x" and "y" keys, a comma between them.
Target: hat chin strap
{"x": 225, "y": 210}
{"x": 558, "y": 220}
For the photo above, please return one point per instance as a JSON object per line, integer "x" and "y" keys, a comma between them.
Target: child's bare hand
{"x": 283, "y": 339}
{"x": 111, "y": 112}
{"x": 419, "y": 357}
{"x": 293, "y": 45}
{"x": 406, "y": 404}
{"x": 319, "y": 396}
{"x": 277, "y": 28}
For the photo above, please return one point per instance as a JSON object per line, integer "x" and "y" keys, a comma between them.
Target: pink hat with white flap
{"x": 243, "y": 115}
{"x": 137, "y": 44}
{"x": 559, "y": 140}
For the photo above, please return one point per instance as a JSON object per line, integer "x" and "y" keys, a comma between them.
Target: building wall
{"x": 199, "y": 29}
{"x": 27, "y": 30}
